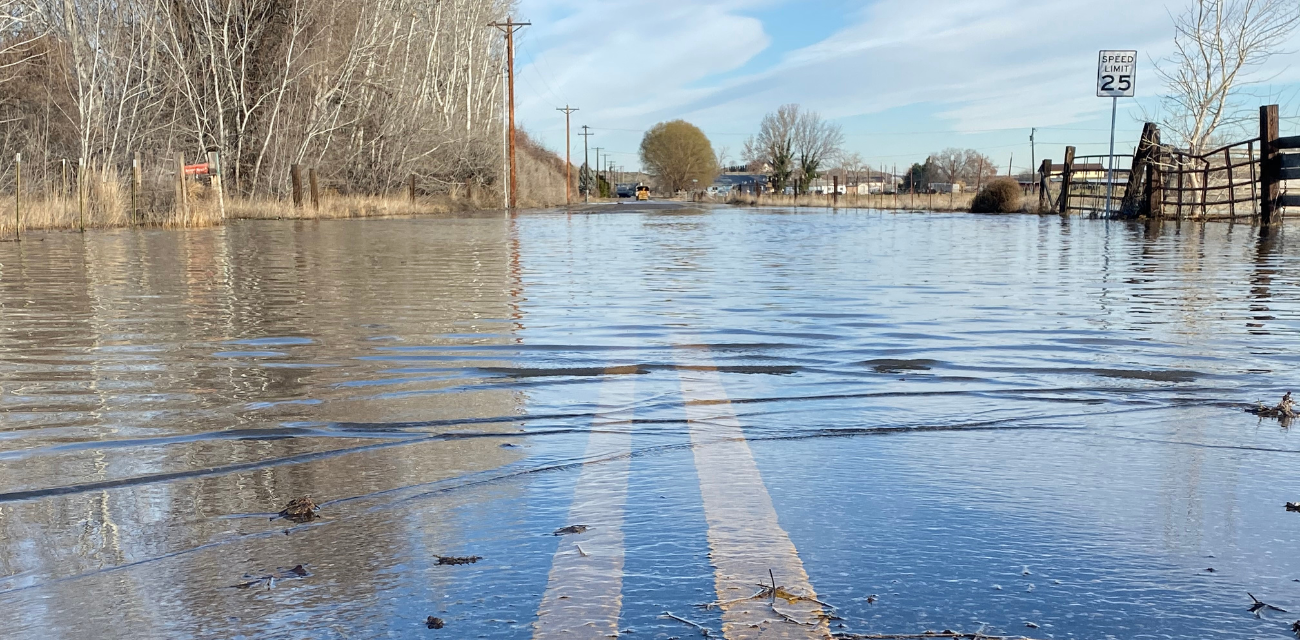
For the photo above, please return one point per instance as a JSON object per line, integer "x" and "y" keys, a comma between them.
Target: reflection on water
{"x": 1061, "y": 394}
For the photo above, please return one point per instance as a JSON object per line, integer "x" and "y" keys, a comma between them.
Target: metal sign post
{"x": 1116, "y": 78}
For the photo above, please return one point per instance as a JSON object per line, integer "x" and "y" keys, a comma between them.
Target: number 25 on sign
{"x": 1116, "y": 74}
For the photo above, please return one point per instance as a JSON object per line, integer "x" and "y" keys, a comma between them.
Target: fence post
{"x": 314, "y": 185}
{"x": 18, "y": 190}
{"x": 1134, "y": 203}
{"x": 295, "y": 179}
{"x": 1066, "y": 171}
{"x": 1044, "y": 183}
{"x": 180, "y": 186}
{"x": 81, "y": 194}
{"x": 835, "y": 195}
{"x": 137, "y": 181}
{"x": 214, "y": 170}
{"x": 411, "y": 188}
{"x": 1155, "y": 207}
{"x": 1270, "y": 166}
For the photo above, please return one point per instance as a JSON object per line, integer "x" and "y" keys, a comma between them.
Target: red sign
{"x": 196, "y": 169}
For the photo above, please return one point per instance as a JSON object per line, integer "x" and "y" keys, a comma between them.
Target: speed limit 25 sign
{"x": 1116, "y": 74}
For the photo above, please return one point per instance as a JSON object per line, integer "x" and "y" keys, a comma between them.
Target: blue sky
{"x": 902, "y": 77}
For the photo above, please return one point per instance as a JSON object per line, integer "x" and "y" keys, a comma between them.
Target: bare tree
{"x": 17, "y": 34}
{"x": 369, "y": 92}
{"x": 852, "y": 164}
{"x": 951, "y": 164}
{"x": 774, "y": 145}
{"x": 1218, "y": 44}
{"x": 816, "y": 141}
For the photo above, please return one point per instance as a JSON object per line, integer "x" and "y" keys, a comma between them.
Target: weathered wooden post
{"x": 1137, "y": 200}
{"x": 82, "y": 186}
{"x": 1066, "y": 171}
{"x": 295, "y": 184}
{"x": 214, "y": 170}
{"x": 1270, "y": 167}
{"x": 18, "y": 190}
{"x": 137, "y": 181}
{"x": 1044, "y": 183}
{"x": 181, "y": 197}
{"x": 411, "y": 189}
{"x": 314, "y": 184}
{"x": 835, "y": 195}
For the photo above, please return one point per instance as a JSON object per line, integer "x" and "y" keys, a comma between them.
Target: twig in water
{"x": 703, "y": 629}
{"x": 584, "y": 553}
{"x": 788, "y": 618}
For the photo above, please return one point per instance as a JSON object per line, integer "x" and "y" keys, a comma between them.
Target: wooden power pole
{"x": 568, "y": 179}
{"x": 509, "y": 27}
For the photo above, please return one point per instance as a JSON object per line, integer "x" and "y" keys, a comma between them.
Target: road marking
{"x": 584, "y": 594}
{"x": 745, "y": 538}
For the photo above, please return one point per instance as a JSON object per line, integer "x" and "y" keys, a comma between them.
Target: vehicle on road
{"x": 642, "y": 192}
{"x": 625, "y": 189}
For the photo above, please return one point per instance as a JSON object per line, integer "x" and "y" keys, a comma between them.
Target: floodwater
{"x": 924, "y": 421}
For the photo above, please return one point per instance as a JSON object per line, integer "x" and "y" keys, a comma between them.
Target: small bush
{"x": 1001, "y": 195}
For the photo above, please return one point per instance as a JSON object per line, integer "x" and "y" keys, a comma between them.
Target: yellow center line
{"x": 745, "y": 538}
{"x": 584, "y": 594}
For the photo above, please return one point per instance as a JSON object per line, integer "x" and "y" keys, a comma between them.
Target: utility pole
{"x": 509, "y": 27}
{"x": 1033, "y": 153}
{"x": 586, "y": 167}
{"x": 568, "y": 179}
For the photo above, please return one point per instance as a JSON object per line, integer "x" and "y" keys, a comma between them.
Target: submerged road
{"x": 902, "y": 422}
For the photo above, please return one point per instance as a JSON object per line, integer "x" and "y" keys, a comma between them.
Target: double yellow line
{"x": 747, "y": 544}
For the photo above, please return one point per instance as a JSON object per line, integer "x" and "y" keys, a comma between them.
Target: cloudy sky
{"x": 902, "y": 77}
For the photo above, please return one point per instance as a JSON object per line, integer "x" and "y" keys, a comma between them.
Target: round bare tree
{"x": 679, "y": 156}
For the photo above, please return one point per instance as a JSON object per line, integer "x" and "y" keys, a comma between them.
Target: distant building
{"x": 744, "y": 182}
{"x": 946, "y": 187}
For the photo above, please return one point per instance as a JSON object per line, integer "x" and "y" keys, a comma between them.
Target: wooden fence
{"x": 1241, "y": 180}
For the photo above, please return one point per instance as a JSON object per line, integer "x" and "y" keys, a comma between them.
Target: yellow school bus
{"x": 642, "y": 192}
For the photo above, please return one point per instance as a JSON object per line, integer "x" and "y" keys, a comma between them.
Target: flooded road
{"x": 908, "y": 422}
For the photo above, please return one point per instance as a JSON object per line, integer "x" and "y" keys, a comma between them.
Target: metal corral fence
{"x": 1243, "y": 179}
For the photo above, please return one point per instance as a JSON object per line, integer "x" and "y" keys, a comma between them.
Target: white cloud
{"x": 974, "y": 64}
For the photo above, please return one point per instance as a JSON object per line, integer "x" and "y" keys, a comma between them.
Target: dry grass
{"x": 903, "y": 202}
{"x": 108, "y": 204}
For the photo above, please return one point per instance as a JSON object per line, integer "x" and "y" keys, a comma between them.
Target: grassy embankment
{"x": 108, "y": 202}
{"x": 903, "y": 202}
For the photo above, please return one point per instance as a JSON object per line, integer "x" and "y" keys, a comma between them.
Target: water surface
{"x": 980, "y": 421}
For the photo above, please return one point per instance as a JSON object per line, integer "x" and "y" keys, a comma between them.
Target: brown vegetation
{"x": 369, "y": 93}
{"x": 1001, "y": 195}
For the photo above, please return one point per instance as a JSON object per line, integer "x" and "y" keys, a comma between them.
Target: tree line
{"x": 370, "y": 92}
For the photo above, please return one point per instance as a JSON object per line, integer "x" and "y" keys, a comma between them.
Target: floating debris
{"x": 1209, "y": 569}
{"x": 1293, "y": 506}
{"x": 1259, "y": 607}
{"x": 458, "y": 559}
{"x": 1284, "y": 411}
{"x": 268, "y": 581}
{"x": 1295, "y": 628}
{"x": 1031, "y": 625}
{"x": 701, "y": 628}
{"x": 299, "y": 510}
{"x": 572, "y": 529}
{"x": 434, "y": 623}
